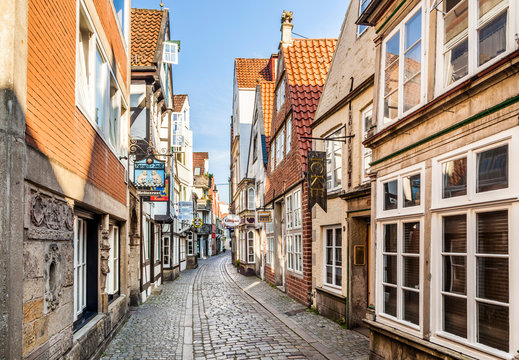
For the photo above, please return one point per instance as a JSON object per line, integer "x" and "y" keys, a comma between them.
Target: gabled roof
{"x": 267, "y": 103}
{"x": 249, "y": 71}
{"x": 145, "y": 29}
{"x": 178, "y": 102}
{"x": 307, "y": 62}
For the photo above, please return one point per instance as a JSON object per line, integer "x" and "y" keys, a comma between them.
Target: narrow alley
{"x": 212, "y": 312}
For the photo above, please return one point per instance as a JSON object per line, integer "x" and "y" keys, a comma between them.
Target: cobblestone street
{"x": 213, "y": 312}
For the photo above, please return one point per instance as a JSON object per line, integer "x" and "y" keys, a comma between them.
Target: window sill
{"x": 478, "y": 351}
{"x": 87, "y": 326}
{"x": 332, "y": 290}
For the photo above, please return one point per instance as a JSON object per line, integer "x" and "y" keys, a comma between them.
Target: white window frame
{"x": 398, "y": 176}
{"x": 123, "y": 27}
{"x": 289, "y": 134}
{"x": 174, "y": 253}
{"x": 272, "y": 154}
{"x": 297, "y": 209}
{"x": 382, "y": 317}
{"x": 298, "y": 253}
{"x": 280, "y": 146}
{"x": 334, "y": 251}
{"x": 366, "y": 152}
{"x": 362, "y": 28}
{"x": 331, "y": 147}
{"x": 80, "y": 267}
{"x": 507, "y": 137}
{"x": 190, "y": 244}
{"x": 182, "y": 250}
{"x": 251, "y": 256}
{"x": 423, "y": 75}
{"x": 88, "y": 109}
{"x": 158, "y": 242}
{"x": 290, "y": 251}
{"x": 251, "y": 199}
{"x": 289, "y": 212}
{"x": 270, "y": 250}
{"x": 112, "y": 278}
{"x": 471, "y": 34}
{"x": 280, "y": 95}
{"x": 470, "y": 346}
{"x": 166, "y": 245}
{"x": 170, "y": 52}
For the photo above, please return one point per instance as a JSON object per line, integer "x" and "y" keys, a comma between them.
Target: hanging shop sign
{"x": 248, "y": 220}
{"x": 264, "y": 217}
{"x": 197, "y": 222}
{"x": 164, "y": 193}
{"x": 150, "y": 179}
{"x": 185, "y": 211}
{"x": 317, "y": 179}
{"x": 231, "y": 220}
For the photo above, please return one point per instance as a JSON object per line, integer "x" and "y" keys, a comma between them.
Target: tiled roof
{"x": 307, "y": 62}
{"x": 250, "y": 71}
{"x": 178, "y": 102}
{"x": 267, "y": 102}
{"x": 145, "y": 29}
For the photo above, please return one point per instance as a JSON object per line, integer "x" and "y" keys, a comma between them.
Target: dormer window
{"x": 170, "y": 55}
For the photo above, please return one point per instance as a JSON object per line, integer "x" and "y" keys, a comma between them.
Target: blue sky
{"x": 212, "y": 34}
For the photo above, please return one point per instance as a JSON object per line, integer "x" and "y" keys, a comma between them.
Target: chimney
{"x": 286, "y": 28}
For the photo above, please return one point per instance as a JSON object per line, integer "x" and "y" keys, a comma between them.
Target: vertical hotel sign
{"x": 317, "y": 179}
{"x": 150, "y": 179}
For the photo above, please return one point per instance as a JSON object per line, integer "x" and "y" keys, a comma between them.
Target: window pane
{"x": 455, "y": 274}
{"x": 390, "y": 269}
{"x": 391, "y": 78}
{"x": 413, "y": 61}
{"x": 338, "y": 276}
{"x": 412, "y": 92}
{"x": 492, "y": 39}
{"x": 456, "y": 19}
{"x": 493, "y": 326}
{"x": 390, "y": 195}
{"x": 455, "y": 234}
{"x": 329, "y": 256}
{"x": 456, "y": 62}
{"x": 454, "y": 175}
{"x": 413, "y": 30}
{"x": 100, "y": 95}
{"x": 390, "y": 238}
{"x": 392, "y": 49}
{"x": 492, "y": 232}
{"x": 411, "y": 190}
{"x": 455, "y": 315}
{"x": 411, "y": 306}
{"x": 338, "y": 257}
{"x": 329, "y": 237}
{"x": 391, "y": 107}
{"x": 338, "y": 237}
{"x": 412, "y": 272}
{"x": 492, "y": 280}
{"x": 493, "y": 169}
{"x": 390, "y": 300}
{"x": 412, "y": 238}
{"x": 329, "y": 274}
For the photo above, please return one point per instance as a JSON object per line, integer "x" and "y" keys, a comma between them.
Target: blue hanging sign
{"x": 150, "y": 176}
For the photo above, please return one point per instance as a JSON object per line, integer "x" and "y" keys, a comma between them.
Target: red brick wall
{"x": 54, "y": 124}
{"x": 270, "y": 274}
{"x": 199, "y": 160}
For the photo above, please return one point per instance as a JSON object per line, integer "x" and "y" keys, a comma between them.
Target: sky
{"x": 213, "y": 33}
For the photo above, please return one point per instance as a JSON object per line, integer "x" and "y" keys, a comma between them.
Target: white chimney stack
{"x": 286, "y": 28}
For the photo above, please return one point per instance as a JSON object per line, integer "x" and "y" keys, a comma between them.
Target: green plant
{"x": 341, "y": 322}
{"x": 237, "y": 262}
{"x": 313, "y": 309}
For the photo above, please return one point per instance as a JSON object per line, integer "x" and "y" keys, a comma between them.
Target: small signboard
{"x": 150, "y": 177}
{"x": 317, "y": 179}
{"x": 185, "y": 210}
{"x": 164, "y": 193}
{"x": 197, "y": 222}
{"x": 264, "y": 217}
{"x": 231, "y": 220}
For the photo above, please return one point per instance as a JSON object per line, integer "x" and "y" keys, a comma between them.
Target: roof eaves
{"x": 363, "y": 18}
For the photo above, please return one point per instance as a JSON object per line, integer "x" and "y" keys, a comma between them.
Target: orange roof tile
{"x": 249, "y": 71}
{"x": 145, "y": 29}
{"x": 307, "y": 61}
{"x": 178, "y": 102}
{"x": 267, "y": 102}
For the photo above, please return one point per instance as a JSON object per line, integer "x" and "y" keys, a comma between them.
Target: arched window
{"x": 251, "y": 199}
{"x": 250, "y": 246}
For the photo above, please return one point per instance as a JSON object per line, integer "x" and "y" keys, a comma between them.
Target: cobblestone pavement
{"x": 214, "y": 313}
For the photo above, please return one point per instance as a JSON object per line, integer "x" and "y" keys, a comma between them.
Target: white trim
{"x": 334, "y": 251}
{"x": 471, "y": 32}
{"x": 400, "y": 29}
{"x": 250, "y": 250}
{"x": 398, "y": 176}
{"x": 366, "y": 152}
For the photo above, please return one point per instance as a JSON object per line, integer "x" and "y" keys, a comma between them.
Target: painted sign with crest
{"x": 149, "y": 175}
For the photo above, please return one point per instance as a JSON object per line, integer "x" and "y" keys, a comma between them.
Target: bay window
{"x": 402, "y": 68}
{"x": 333, "y": 151}
{"x": 251, "y": 199}
{"x": 472, "y": 33}
{"x": 333, "y": 256}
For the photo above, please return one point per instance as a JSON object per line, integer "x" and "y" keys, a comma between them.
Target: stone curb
{"x": 290, "y": 324}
